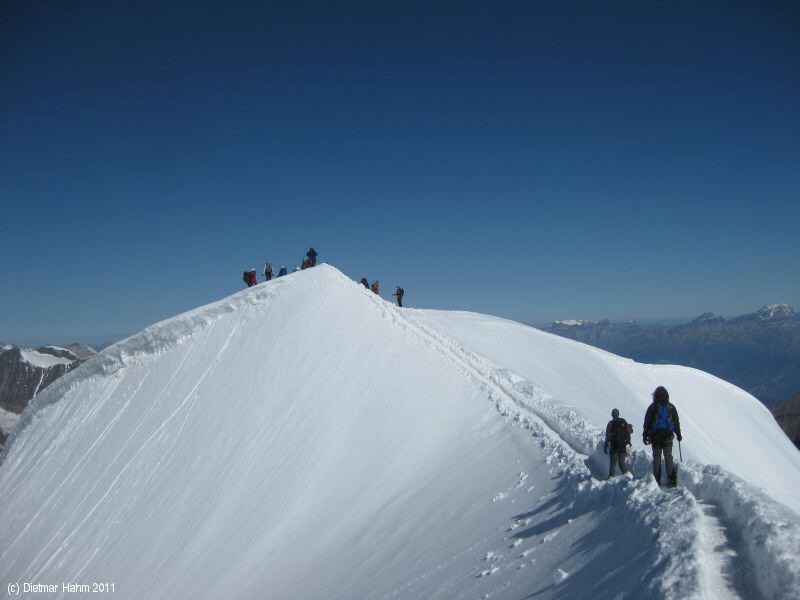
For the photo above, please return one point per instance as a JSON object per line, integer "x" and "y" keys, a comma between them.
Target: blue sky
{"x": 531, "y": 160}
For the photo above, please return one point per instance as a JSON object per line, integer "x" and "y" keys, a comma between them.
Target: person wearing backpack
{"x": 618, "y": 438}
{"x": 399, "y": 294}
{"x": 661, "y": 426}
{"x": 376, "y": 287}
{"x": 267, "y": 271}
{"x": 249, "y": 277}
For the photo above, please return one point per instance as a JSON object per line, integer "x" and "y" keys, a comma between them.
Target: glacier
{"x": 305, "y": 438}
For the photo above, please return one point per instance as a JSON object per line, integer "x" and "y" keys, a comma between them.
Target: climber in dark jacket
{"x": 399, "y": 295}
{"x": 618, "y": 438}
{"x": 661, "y": 426}
{"x": 312, "y": 256}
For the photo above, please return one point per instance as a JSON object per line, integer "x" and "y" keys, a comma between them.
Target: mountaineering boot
{"x": 672, "y": 481}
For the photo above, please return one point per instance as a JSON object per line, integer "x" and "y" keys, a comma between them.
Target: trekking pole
{"x": 679, "y": 450}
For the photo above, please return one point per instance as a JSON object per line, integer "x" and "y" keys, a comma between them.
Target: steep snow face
{"x": 304, "y": 438}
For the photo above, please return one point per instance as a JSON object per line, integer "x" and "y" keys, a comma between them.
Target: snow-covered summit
{"x": 305, "y": 438}
{"x": 776, "y": 311}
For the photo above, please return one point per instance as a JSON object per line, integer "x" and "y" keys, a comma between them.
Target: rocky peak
{"x": 25, "y": 372}
{"x": 82, "y": 351}
{"x": 58, "y": 352}
{"x": 707, "y": 317}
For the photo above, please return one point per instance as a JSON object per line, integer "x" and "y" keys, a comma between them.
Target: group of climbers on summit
{"x": 250, "y": 279}
{"x": 661, "y": 427}
{"x": 310, "y": 260}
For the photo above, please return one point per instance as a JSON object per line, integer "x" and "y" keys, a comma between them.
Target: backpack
{"x": 662, "y": 418}
{"x": 246, "y": 277}
{"x": 620, "y": 433}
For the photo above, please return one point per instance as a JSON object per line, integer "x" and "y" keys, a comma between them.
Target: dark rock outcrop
{"x": 787, "y": 414}
{"x": 25, "y": 373}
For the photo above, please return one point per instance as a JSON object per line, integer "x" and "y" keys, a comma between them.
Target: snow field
{"x": 304, "y": 438}
{"x": 44, "y": 361}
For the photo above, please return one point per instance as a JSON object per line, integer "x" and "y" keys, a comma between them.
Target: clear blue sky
{"x": 534, "y": 160}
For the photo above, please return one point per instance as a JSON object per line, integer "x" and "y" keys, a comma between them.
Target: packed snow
{"x": 305, "y": 438}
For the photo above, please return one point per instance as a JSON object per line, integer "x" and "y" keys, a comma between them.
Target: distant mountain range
{"x": 759, "y": 352}
{"x": 24, "y": 372}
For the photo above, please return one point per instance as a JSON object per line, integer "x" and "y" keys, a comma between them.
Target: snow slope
{"x": 721, "y": 423}
{"x": 306, "y": 439}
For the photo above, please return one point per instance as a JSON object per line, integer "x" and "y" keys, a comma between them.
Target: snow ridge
{"x": 144, "y": 415}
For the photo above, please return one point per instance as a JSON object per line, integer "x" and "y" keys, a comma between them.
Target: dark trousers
{"x": 664, "y": 448}
{"x": 617, "y": 458}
